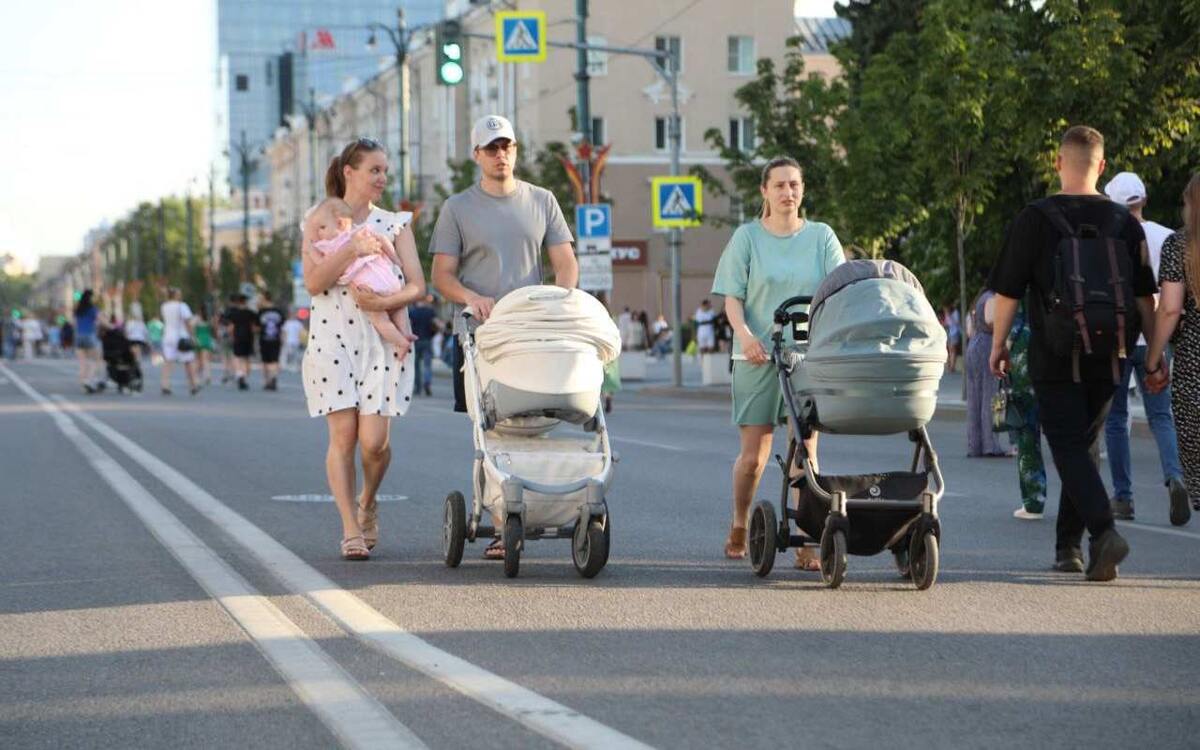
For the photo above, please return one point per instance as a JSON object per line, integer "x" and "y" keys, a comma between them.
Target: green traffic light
{"x": 452, "y": 51}
{"x": 451, "y": 72}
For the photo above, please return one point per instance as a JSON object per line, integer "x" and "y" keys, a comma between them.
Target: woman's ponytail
{"x": 335, "y": 181}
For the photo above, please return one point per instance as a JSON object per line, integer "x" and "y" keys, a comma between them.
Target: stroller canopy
{"x": 547, "y": 319}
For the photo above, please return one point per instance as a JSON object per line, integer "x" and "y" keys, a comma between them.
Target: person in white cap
{"x": 489, "y": 238}
{"x": 1128, "y": 190}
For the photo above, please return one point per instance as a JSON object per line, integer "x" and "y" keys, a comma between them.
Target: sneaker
{"x": 1105, "y": 553}
{"x": 243, "y": 385}
{"x": 1026, "y": 515}
{"x": 1180, "y": 512}
{"x": 1122, "y": 508}
{"x": 428, "y": 391}
{"x": 1069, "y": 560}
{"x": 270, "y": 385}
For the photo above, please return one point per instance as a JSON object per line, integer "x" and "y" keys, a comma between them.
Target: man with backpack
{"x": 1084, "y": 262}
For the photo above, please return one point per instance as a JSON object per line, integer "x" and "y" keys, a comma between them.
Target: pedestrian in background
{"x": 1073, "y": 389}
{"x": 981, "y": 383}
{"x": 292, "y": 330}
{"x": 269, "y": 324}
{"x": 178, "y": 341}
{"x": 239, "y": 328}
{"x": 421, "y": 318}
{"x": 1128, "y": 190}
{"x": 1179, "y": 322}
{"x": 706, "y": 332}
{"x": 66, "y": 335}
{"x": 952, "y": 322}
{"x": 768, "y": 260}
{"x": 352, "y": 377}
{"x": 31, "y": 336}
{"x": 136, "y": 333}
{"x": 87, "y": 345}
{"x": 204, "y": 346}
{"x": 1031, "y": 466}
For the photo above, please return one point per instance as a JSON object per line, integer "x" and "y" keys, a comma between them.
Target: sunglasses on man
{"x": 495, "y": 147}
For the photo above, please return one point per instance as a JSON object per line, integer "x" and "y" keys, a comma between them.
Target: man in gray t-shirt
{"x": 489, "y": 238}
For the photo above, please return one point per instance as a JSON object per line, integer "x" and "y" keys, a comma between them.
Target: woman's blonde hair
{"x": 1191, "y": 224}
{"x": 779, "y": 161}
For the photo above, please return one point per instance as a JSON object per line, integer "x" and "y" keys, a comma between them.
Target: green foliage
{"x": 14, "y": 291}
{"x": 272, "y": 264}
{"x": 949, "y": 112}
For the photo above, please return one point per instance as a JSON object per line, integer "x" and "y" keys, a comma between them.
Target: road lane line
{"x": 647, "y": 443}
{"x": 1157, "y": 529}
{"x": 533, "y": 711}
{"x": 350, "y": 713}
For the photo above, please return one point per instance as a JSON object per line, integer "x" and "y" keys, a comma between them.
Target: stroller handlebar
{"x": 781, "y": 313}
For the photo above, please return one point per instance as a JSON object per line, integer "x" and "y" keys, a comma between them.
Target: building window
{"x": 662, "y": 133}
{"x": 741, "y": 55}
{"x": 242, "y": 82}
{"x": 597, "y": 62}
{"x": 674, "y": 46}
{"x": 598, "y": 133}
{"x": 741, "y": 133}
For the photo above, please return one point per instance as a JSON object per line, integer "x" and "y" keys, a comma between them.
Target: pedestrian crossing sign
{"x": 521, "y": 36}
{"x": 676, "y": 202}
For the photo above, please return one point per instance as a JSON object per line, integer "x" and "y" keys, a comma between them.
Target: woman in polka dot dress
{"x": 1178, "y": 321}
{"x": 351, "y": 376}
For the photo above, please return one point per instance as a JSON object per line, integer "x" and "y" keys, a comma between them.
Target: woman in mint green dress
{"x": 777, "y": 256}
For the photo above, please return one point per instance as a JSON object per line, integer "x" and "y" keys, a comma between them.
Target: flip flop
{"x": 494, "y": 551}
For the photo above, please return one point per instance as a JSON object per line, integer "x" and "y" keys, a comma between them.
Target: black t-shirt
{"x": 243, "y": 320}
{"x": 270, "y": 323}
{"x": 1027, "y": 264}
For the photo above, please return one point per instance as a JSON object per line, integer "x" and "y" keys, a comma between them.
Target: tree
{"x": 14, "y": 290}
{"x": 228, "y": 275}
{"x": 272, "y": 264}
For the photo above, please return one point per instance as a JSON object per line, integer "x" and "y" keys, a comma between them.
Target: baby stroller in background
{"x": 122, "y": 366}
{"x": 867, "y": 363}
{"x": 536, "y": 363}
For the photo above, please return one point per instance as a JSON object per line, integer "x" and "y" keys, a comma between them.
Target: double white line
{"x": 352, "y": 714}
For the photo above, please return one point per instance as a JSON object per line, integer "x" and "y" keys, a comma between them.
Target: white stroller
{"x": 536, "y": 363}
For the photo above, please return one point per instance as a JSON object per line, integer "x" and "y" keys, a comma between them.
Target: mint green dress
{"x": 762, "y": 270}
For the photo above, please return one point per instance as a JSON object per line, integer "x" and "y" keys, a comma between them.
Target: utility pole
{"x": 583, "y": 105}
{"x": 248, "y": 165}
{"x": 310, "y": 117}
{"x": 162, "y": 242}
{"x": 676, "y": 236}
{"x": 400, "y": 41}
{"x": 191, "y": 235}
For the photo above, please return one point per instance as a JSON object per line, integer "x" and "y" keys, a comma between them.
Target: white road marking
{"x": 1157, "y": 529}
{"x": 313, "y": 498}
{"x": 350, "y": 713}
{"x": 647, "y": 443}
{"x": 537, "y": 713}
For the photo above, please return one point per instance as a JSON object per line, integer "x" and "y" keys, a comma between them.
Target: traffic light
{"x": 450, "y": 71}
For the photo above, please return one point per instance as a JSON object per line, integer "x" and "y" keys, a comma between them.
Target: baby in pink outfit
{"x": 331, "y": 225}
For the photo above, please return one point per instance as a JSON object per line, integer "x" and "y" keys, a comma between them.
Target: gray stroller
{"x": 865, "y": 359}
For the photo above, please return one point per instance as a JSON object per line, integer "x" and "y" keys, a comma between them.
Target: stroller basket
{"x": 892, "y": 501}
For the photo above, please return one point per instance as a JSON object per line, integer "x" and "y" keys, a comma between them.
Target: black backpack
{"x": 1090, "y": 310}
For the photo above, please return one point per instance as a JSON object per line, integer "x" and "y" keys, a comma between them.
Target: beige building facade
{"x": 718, "y": 44}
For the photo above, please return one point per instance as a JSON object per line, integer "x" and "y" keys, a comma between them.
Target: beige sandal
{"x": 735, "y": 544}
{"x": 807, "y": 559}
{"x": 368, "y": 521}
{"x": 354, "y": 548}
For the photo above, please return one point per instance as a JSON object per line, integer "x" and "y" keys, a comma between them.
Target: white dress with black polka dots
{"x": 347, "y": 365}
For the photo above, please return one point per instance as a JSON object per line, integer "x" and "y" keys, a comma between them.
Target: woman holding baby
{"x": 354, "y": 375}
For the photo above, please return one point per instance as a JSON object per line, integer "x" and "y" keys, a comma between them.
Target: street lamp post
{"x": 400, "y": 36}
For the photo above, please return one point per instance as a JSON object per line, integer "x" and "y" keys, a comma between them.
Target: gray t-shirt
{"x": 499, "y": 240}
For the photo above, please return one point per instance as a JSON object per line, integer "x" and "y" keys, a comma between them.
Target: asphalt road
{"x": 158, "y": 592}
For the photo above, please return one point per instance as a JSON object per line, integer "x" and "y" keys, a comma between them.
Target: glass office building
{"x": 272, "y": 52}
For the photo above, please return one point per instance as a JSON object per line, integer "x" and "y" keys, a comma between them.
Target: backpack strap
{"x": 1055, "y": 216}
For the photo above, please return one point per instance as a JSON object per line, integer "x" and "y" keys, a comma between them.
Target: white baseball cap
{"x": 1126, "y": 188}
{"x": 489, "y": 128}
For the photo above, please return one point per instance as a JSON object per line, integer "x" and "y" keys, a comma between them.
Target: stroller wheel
{"x": 589, "y": 547}
{"x": 514, "y": 541}
{"x": 454, "y": 528}
{"x": 833, "y": 557}
{"x": 761, "y": 543}
{"x": 923, "y": 560}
